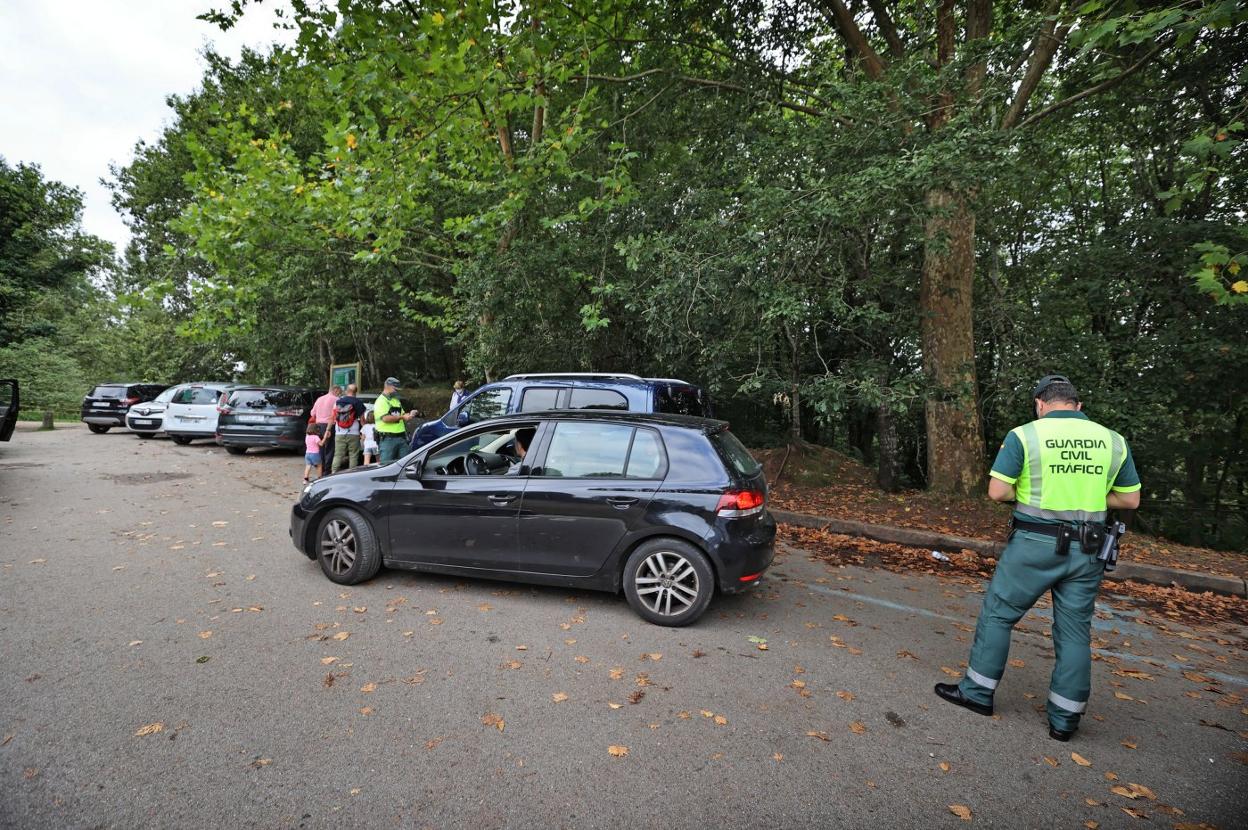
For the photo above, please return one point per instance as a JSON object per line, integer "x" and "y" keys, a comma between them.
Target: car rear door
{"x": 8, "y": 408}
{"x": 591, "y": 483}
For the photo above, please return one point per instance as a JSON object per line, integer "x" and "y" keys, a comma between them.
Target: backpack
{"x": 345, "y": 415}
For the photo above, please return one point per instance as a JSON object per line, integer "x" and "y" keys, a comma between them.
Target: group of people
{"x": 344, "y": 432}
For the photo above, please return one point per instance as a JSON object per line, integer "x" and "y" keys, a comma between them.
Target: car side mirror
{"x": 414, "y": 469}
{"x": 463, "y": 418}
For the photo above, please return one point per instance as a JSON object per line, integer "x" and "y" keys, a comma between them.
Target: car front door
{"x": 591, "y": 484}
{"x": 8, "y": 408}
{"x": 441, "y": 514}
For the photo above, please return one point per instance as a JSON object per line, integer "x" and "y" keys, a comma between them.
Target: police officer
{"x": 1064, "y": 472}
{"x": 390, "y": 419}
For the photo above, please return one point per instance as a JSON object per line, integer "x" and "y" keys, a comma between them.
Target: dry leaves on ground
{"x": 857, "y": 727}
{"x": 617, "y": 751}
{"x": 491, "y": 719}
{"x": 559, "y": 697}
{"x": 1080, "y": 760}
{"x": 961, "y": 811}
{"x": 823, "y": 736}
{"x": 149, "y": 729}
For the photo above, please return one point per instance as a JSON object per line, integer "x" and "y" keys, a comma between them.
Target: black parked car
{"x": 106, "y": 405}
{"x": 669, "y": 508}
{"x": 264, "y": 416}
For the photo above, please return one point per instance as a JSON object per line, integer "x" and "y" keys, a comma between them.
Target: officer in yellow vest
{"x": 1064, "y": 472}
{"x": 391, "y": 420}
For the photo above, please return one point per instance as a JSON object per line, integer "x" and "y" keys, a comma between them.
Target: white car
{"x": 192, "y": 412}
{"x": 145, "y": 419}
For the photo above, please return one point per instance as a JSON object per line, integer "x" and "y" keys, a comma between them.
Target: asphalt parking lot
{"x": 172, "y": 661}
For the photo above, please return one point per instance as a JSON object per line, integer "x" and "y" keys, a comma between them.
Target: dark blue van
{"x": 568, "y": 390}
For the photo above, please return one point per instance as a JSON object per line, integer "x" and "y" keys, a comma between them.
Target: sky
{"x": 81, "y": 81}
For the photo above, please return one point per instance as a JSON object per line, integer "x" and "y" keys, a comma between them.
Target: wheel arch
{"x": 662, "y": 533}
{"x": 315, "y": 517}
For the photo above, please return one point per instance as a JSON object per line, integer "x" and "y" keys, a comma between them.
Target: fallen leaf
{"x": 1080, "y": 760}
{"x": 944, "y": 766}
{"x": 511, "y": 664}
{"x": 720, "y": 720}
{"x": 1122, "y": 696}
{"x": 366, "y": 711}
{"x": 136, "y": 642}
{"x": 905, "y": 653}
{"x": 1111, "y": 776}
{"x": 961, "y": 811}
{"x": 149, "y": 729}
{"x": 1092, "y": 802}
{"x": 798, "y": 684}
{"x": 522, "y": 648}
{"x": 559, "y": 697}
{"x": 261, "y": 762}
{"x": 655, "y": 656}
{"x": 204, "y": 635}
{"x": 1124, "y": 792}
{"x": 950, "y": 672}
{"x": 1091, "y": 825}
{"x": 491, "y": 719}
{"x": 1050, "y": 761}
{"x": 1016, "y": 663}
{"x": 844, "y": 695}
{"x": 368, "y": 688}
{"x": 360, "y": 609}
{"x": 616, "y": 674}
{"x": 857, "y": 727}
{"x": 219, "y": 524}
{"x": 485, "y": 606}
{"x": 1140, "y": 789}
{"x": 341, "y": 635}
{"x": 581, "y": 658}
{"x": 684, "y": 715}
{"x": 617, "y": 751}
{"x": 707, "y": 713}
{"x": 432, "y": 743}
{"x": 636, "y": 696}
{"x": 1197, "y": 677}
{"x": 1134, "y": 813}
{"x": 325, "y": 661}
{"x": 435, "y": 621}
{"x": 615, "y": 705}
{"x": 1129, "y": 744}
{"x": 851, "y": 649}
{"x": 823, "y": 736}
{"x": 776, "y": 756}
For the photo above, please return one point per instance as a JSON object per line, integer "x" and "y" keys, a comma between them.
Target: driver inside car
{"x": 521, "y": 446}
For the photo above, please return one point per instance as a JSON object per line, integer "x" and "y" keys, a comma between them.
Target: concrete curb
{"x": 1197, "y": 581}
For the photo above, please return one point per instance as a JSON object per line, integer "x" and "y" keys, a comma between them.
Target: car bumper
{"x": 112, "y": 419}
{"x": 239, "y": 438}
{"x": 140, "y": 423}
{"x": 744, "y": 550}
{"x": 298, "y": 528}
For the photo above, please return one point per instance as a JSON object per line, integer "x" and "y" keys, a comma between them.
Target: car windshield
{"x": 108, "y": 392}
{"x": 736, "y": 453}
{"x": 264, "y": 398}
{"x": 166, "y": 396}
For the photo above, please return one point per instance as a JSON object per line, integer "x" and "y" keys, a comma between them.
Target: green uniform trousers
{"x": 1028, "y": 567}
{"x": 391, "y": 446}
{"x": 346, "y": 451}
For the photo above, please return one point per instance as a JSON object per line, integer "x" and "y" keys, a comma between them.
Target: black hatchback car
{"x": 264, "y": 416}
{"x": 106, "y": 405}
{"x": 668, "y": 508}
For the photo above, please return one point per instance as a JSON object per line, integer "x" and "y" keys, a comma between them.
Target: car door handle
{"x": 503, "y": 498}
{"x": 621, "y": 502}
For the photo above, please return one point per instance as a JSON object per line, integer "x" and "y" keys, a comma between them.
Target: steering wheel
{"x": 476, "y": 465}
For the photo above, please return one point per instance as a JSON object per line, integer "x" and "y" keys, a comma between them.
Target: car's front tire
{"x": 668, "y": 582}
{"x": 180, "y": 440}
{"x": 236, "y": 450}
{"x": 347, "y": 548}
{"x": 99, "y": 429}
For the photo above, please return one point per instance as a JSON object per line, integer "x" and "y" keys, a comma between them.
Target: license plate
{"x": 251, "y": 419}
{"x": 140, "y": 423}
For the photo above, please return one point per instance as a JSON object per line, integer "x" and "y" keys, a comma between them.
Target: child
{"x": 312, "y": 442}
{"x": 368, "y": 438}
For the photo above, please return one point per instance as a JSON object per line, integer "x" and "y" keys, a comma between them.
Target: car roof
{"x": 591, "y": 379}
{"x": 652, "y": 418}
{"x": 255, "y": 387}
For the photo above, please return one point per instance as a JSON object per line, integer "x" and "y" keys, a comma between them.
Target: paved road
{"x": 144, "y": 583}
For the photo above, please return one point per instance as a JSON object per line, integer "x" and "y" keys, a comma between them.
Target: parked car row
{"x": 236, "y": 416}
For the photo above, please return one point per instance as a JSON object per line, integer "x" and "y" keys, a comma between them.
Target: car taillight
{"x": 224, "y": 410}
{"x": 290, "y": 412}
{"x": 737, "y": 503}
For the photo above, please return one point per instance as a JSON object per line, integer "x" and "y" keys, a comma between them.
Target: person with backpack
{"x": 348, "y": 417}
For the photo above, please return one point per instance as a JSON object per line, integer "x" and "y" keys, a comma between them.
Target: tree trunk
{"x": 954, "y": 435}
{"x": 886, "y": 428}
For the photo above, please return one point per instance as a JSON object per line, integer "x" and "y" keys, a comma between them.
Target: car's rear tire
{"x": 98, "y": 429}
{"x": 346, "y": 547}
{"x": 236, "y": 450}
{"x": 181, "y": 440}
{"x": 668, "y": 582}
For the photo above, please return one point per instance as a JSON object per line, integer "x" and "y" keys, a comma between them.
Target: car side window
{"x": 587, "y": 450}
{"x": 646, "y": 459}
{"x": 597, "y": 399}
{"x": 539, "y": 398}
{"x": 187, "y": 395}
{"x": 488, "y": 404}
{"x": 450, "y": 460}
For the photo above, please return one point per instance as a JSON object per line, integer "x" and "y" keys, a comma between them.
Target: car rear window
{"x": 265, "y": 398}
{"x": 735, "y": 453}
{"x": 603, "y": 451}
{"x": 197, "y": 396}
{"x": 680, "y": 400}
{"x": 108, "y": 392}
{"x": 538, "y": 399}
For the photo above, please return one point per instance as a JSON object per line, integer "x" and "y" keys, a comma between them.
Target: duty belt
{"x": 1090, "y": 535}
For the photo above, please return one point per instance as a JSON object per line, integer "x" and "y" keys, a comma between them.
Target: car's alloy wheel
{"x": 667, "y": 583}
{"x": 338, "y": 546}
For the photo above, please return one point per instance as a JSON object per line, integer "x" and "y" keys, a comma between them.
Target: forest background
{"x": 869, "y": 225}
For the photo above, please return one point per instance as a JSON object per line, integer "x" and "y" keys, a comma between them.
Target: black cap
{"x": 1047, "y": 381}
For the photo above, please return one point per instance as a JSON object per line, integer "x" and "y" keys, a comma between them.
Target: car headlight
{"x": 307, "y": 488}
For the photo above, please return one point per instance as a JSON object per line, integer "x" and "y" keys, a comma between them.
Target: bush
{"x": 49, "y": 378}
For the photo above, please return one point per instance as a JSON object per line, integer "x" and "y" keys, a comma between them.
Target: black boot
{"x": 1060, "y": 735}
{"x": 951, "y": 693}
